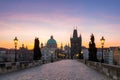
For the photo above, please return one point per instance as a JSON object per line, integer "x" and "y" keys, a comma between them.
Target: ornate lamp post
{"x": 102, "y": 42}
{"x": 15, "y": 42}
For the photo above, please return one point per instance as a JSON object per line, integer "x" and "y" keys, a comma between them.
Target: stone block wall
{"x": 14, "y": 66}
{"x": 112, "y": 71}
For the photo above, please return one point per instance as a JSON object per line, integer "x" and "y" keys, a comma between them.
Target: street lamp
{"x": 102, "y": 42}
{"x": 15, "y": 42}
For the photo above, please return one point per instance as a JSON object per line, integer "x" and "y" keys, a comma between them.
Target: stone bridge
{"x": 60, "y": 70}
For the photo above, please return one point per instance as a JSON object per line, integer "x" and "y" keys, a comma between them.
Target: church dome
{"x": 51, "y": 41}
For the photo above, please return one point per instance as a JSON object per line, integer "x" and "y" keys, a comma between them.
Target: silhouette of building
{"x": 3, "y": 52}
{"x": 115, "y": 55}
{"x": 49, "y": 50}
{"x": 76, "y": 45}
{"x": 111, "y": 55}
{"x": 51, "y": 43}
{"x": 23, "y": 54}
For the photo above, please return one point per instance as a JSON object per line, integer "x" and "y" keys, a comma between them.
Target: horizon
{"x": 42, "y": 18}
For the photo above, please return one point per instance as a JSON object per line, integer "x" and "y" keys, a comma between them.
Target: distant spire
{"x": 80, "y": 37}
{"x": 75, "y": 33}
{"x": 41, "y": 45}
{"x": 22, "y": 45}
{"x": 61, "y": 46}
{"x": 26, "y": 47}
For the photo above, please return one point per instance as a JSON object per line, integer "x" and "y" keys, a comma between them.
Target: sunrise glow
{"x": 43, "y": 18}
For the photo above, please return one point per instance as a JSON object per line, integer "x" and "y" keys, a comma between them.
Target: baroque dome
{"x": 51, "y": 41}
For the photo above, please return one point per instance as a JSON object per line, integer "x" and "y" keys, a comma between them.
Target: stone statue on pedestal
{"x": 92, "y": 49}
{"x": 37, "y": 51}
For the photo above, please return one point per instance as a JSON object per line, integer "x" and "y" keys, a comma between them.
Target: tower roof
{"x": 75, "y": 33}
{"x": 51, "y": 41}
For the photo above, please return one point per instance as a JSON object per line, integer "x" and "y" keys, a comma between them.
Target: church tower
{"x": 76, "y": 45}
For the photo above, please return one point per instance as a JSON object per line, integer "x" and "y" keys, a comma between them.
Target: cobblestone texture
{"x": 61, "y": 70}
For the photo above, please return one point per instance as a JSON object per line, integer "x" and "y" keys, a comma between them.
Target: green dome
{"x": 51, "y": 41}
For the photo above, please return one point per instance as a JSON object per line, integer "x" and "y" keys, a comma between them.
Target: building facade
{"x": 85, "y": 53}
{"x": 111, "y": 55}
{"x": 116, "y": 55}
{"x": 49, "y": 50}
{"x": 67, "y": 51}
{"x": 22, "y": 54}
{"x": 76, "y": 45}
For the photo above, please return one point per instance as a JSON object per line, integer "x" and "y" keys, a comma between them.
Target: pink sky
{"x": 27, "y": 27}
{"x": 50, "y": 18}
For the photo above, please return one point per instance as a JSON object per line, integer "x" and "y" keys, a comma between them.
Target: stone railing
{"x": 112, "y": 71}
{"x": 15, "y": 66}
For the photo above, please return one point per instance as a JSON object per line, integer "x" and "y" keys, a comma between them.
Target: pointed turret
{"x": 75, "y": 35}
{"x": 61, "y": 46}
{"x": 22, "y": 45}
{"x": 80, "y": 39}
{"x": 41, "y": 45}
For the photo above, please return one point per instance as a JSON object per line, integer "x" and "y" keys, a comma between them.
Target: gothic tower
{"x": 76, "y": 44}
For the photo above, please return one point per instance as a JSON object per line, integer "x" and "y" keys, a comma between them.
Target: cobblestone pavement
{"x": 61, "y": 70}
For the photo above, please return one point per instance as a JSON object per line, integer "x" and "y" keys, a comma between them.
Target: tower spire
{"x": 61, "y": 46}
{"x": 75, "y": 33}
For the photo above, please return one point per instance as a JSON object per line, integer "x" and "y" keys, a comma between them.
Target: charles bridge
{"x": 58, "y": 70}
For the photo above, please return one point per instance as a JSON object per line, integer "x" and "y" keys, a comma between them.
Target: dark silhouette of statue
{"x": 92, "y": 49}
{"x": 37, "y": 51}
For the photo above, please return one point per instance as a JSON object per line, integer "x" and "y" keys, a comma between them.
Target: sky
{"x": 28, "y": 19}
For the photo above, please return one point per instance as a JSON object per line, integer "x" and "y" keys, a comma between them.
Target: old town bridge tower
{"x": 76, "y": 45}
